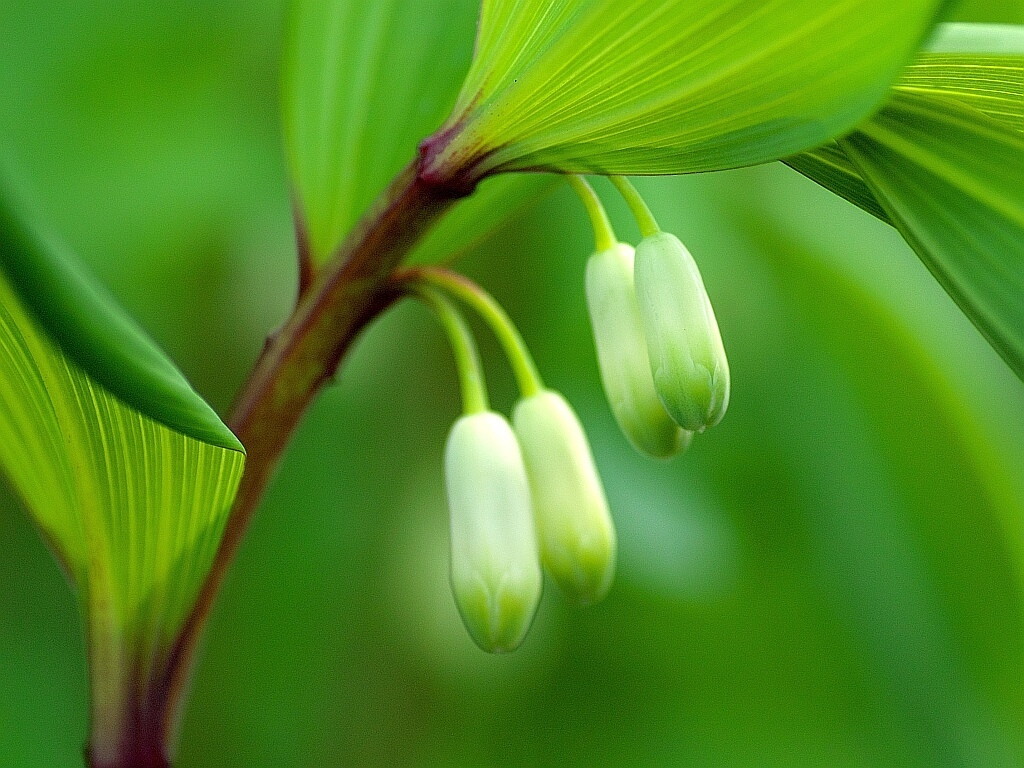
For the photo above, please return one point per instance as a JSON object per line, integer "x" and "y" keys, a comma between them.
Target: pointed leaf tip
{"x": 127, "y": 472}
{"x": 78, "y": 314}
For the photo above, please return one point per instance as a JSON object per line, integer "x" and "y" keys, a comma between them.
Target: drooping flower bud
{"x": 495, "y": 566}
{"x": 574, "y": 526}
{"x": 622, "y": 355}
{"x": 691, "y": 373}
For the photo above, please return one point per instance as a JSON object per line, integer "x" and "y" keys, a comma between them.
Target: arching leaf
{"x": 951, "y": 182}
{"x": 944, "y": 162}
{"x": 127, "y": 472}
{"x": 978, "y": 65}
{"x": 666, "y": 86}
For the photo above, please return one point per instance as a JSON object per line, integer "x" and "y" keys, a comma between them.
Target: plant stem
{"x": 644, "y": 218}
{"x": 460, "y": 286}
{"x": 604, "y": 235}
{"x": 142, "y": 745}
{"x": 467, "y": 357}
{"x": 341, "y": 298}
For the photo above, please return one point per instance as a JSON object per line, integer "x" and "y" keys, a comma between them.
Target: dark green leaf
{"x": 944, "y": 163}
{"x": 951, "y": 181}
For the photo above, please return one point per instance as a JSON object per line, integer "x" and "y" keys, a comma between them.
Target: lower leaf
{"x": 133, "y": 507}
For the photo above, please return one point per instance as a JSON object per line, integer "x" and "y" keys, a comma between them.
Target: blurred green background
{"x": 832, "y": 577}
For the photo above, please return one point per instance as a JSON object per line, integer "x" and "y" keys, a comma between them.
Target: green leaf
{"x": 829, "y": 166}
{"x": 951, "y": 181}
{"x": 363, "y": 83}
{"x": 978, "y": 65}
{"x": 666, "y": 87}
{"x": 944, "y": 162}
{"x": 128, "y": 473}
{"x": 82, "y": 318}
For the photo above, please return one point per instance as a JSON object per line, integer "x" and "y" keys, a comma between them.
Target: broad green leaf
{"x": 944, "y": 162}
{"x": 951, "y": 181}
{"x": 668, "y": 86}
{"x": 363, "y": 83}
{"x": 127, "y": 472}
{"x": 979, "y": 65}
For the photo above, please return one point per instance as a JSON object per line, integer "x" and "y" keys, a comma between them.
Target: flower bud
{"x": 622, "y": 355}
{"x": 691, "y": 373}
{"x": 574, "y": 526}
{"x": 495, "y": 567}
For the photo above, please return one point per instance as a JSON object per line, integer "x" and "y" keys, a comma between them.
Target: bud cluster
{"x": 659, "y": 349}
{"x": 528, "y": 493}
{"x": 519, "y": 494}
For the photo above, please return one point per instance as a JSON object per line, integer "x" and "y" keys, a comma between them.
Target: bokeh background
{"x": 832, "y": 577}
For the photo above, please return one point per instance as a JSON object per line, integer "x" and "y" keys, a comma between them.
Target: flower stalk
{"x": 618, "y": 332}
{"x": 519, "y": 357}
{"x": 467, "y": 357}
{"x": 638, "y": 206}
{"x": 571, "y": 529}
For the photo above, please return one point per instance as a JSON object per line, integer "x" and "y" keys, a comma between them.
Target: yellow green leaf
{"x": 668, "y": 86}
{"x": 979, "y": 65}
{"x": 943, "y": 162}
{"x": 127, "y": 472}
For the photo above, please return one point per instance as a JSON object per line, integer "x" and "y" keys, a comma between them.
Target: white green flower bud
{"x": 691, "y": 373}
{"x": 574, "y": 526}
{"x": 495, "y": 566}
{"x": 622, "y": 355}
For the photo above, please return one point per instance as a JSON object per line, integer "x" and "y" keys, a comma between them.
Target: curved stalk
{"x": 467, "y": 357}
{"x": 604, "y": 234}
{"x": 644, "y": 218}
{"x": 511, "y": 341}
